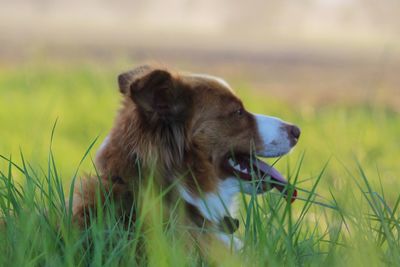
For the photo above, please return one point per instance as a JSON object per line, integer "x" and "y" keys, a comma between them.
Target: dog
{"x": 190, "y": 131}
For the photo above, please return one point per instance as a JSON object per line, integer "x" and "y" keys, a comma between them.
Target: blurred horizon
{"x": 317, "y": 51}
{"x": 353, "y": 27}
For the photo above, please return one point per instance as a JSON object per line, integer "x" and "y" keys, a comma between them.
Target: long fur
{"x": 177, "y": 129}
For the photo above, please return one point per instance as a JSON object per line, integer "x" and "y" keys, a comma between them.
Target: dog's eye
{"x": 239, "y": 112}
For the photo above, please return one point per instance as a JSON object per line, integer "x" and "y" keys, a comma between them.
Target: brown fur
{"x": 173, "y": 127}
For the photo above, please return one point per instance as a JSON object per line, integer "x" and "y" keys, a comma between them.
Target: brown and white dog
{"x": 192, "y": 127}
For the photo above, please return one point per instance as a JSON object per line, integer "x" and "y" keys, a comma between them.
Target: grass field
{"x": 346, "y": 162}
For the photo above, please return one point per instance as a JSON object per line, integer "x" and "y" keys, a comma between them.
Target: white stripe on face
{"x": 275, "y": 138}
{"x": 213, "y": 78}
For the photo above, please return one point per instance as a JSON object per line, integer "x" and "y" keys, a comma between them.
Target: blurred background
{"x": 331, "y": 66}
{"x": 349, "y": 49}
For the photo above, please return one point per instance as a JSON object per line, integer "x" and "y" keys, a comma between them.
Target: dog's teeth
{"x": 245, "y": 170}
{"x": 237, "y": 167}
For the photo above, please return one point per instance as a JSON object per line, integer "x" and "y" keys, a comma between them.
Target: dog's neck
{"x": 118, "y": 155}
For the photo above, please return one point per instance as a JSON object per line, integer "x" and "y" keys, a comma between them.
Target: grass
{"x": 345, "y": 164}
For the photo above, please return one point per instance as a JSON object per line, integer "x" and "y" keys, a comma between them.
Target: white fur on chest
{"x": 215, "y": 205}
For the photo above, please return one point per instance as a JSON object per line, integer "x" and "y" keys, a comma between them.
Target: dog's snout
{"x": 295, "y": 131}
{"x": 278, "y": 137}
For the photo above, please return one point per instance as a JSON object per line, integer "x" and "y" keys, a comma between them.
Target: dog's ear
{"x": 155, "y": 91}
{"x": 126, "y": 79}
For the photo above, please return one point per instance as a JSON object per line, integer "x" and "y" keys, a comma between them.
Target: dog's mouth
{"x": 250, "y": 168}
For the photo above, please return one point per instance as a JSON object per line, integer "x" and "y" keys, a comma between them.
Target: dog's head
{"x": 202, "y": 124}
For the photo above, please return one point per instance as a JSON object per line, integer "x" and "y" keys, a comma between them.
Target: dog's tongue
{"x": 277, "y": 179}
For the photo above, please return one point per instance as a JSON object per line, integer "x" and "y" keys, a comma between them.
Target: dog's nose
{"x": 295, "y": 131}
